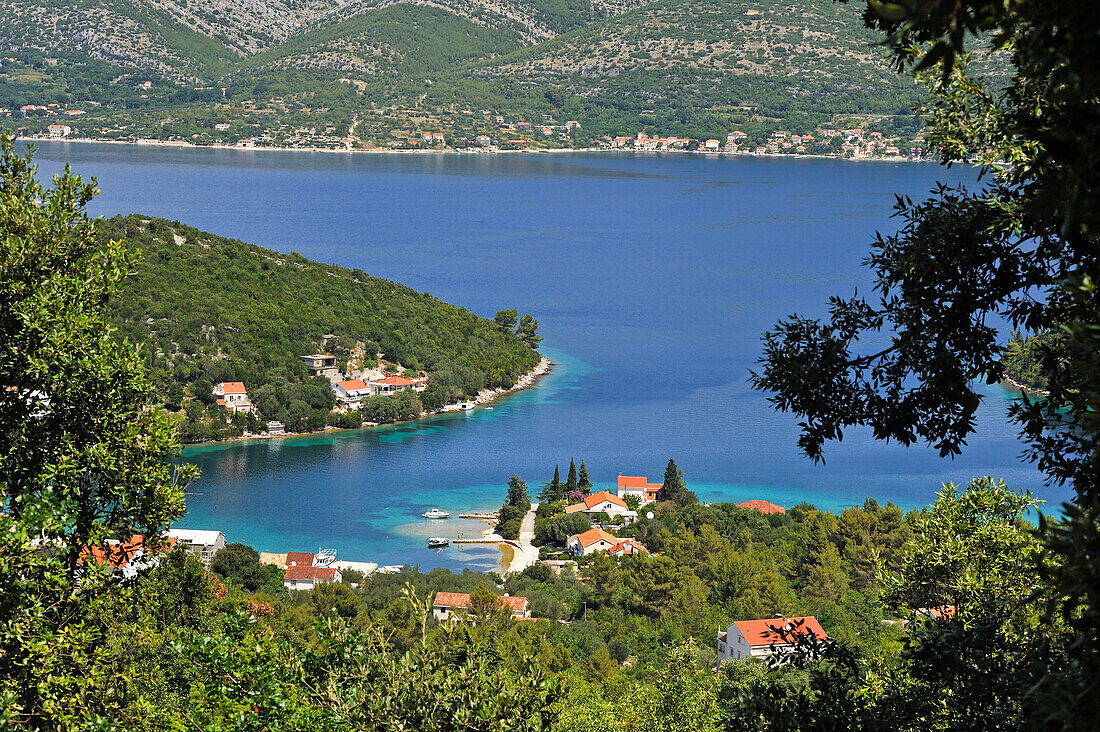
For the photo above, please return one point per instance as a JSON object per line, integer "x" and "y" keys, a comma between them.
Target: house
{"x": 484, "y": 140}
{"x": 457, "y": 604}
{"x": 762, "y": 506}
{"x": 711, "y": 145}
{"x": 764, "y": 638}
{"x": 590, "y": 542}
{"x": 604, "y": 502}
{"x": 247, "y": 142}
{"x": 735, "y": 136}
{"x": 202, "y": 543}
{"x": 640, "y": 487}
{"x": 60, "y": 130}
{"x": 73, "y": 112}
{"x": 232, "y": 396}
{"x": 303, "y": 571}
{"x": 627, "y": 547}
{"x": 221, "y": 126}
{"x": 275, "y": 428}
{"x": 392, "y": 384}
{"x": 125, "y": 558}
{"x": 437, "y": 137}
{"x": 306, "y": 577}
{"x": 320, "y": 364}
{"x": 572, "y": 125}
{"x": 350, "y": 393}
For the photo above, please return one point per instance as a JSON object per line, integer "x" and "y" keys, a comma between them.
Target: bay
{"x": 652, "y": 278}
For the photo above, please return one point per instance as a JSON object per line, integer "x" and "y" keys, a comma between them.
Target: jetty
{"x": 481, "y": 516}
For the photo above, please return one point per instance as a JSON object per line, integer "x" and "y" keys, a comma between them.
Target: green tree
{"x": 552, "y": 491}
{"x": 686, "y": 697}
{"x": 584, "y": 482}
{"x": 571, "y": 480}
{"x": 333, "y": 597}
{"x": 528, "y": 331}
{"x": 507, "y": 319}
{"x": 84, "y": 450}
{"x": 674, "y": 488}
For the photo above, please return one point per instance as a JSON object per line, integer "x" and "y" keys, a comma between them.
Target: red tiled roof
{"x": 395, "y": 381}
{"x": 762, "y": 506}
{"x": 943, "y": 611}
{"x": 628, "y": 546}
{"x": 594, "y": 500}
{"x": 638, "y": 481}
{"x": 462, "y": 599}
{"x": 761, "y": 633}
{"x": 590, "y": 537}
{"x": 233, "y": 387}
{"x": 299, "y": 558}
{"x": 308, "y": 572}
{"x": 119, "y": 554}
{"x": 351, "y": 384}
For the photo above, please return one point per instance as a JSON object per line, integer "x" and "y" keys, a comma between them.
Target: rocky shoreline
{"x": 1012, "y": 384}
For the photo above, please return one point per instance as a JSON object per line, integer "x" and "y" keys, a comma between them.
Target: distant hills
{"x": 366, "y": 73}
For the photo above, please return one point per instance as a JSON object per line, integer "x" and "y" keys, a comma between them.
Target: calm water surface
{"x": 652, "y": 279}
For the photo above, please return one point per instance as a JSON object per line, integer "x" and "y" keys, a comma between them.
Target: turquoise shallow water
{"x": 652, "y": 278}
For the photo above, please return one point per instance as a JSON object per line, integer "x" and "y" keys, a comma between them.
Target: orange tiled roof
{"x": 299, "y": 558}
{"x": 628, "y": 546}
{"x": 351, "y": 384}
{"x": 594, "y": 500}
{"x": 761, "y": 633}
{"x": 119, "y": 554}
{"x": 762, "y": 506}
{"x": 396, "y": 381}
{"x": 309, "y": 572}
{"x": 462, "y": 599}
{"x": 590, "y": 537}
{"x": 233, "y": 387}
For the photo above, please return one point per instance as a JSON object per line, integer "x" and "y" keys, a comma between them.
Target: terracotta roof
{"x": 628, "y": 546}
{"x": 395, "y": 381}
{"x": 232, "y": 387}
{"x": 310, "y": 573}
{"x": 638, "y": 481}
{"x": 594, "y": 500}
{"x": 762, "y": 506}
{"x": 462, "y": 599}
{"x": 943, "y": 611}
{"x": 590, "y": 537}
{"x": 761, "y": 633}
{"x": 299, "y": 558}
{"x": 118, "y": 554}
{"x": 351, "y": 384}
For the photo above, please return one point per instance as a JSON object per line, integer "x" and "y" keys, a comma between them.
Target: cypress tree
{"x": 583, "y": 481}
{"x": 552, "y": 491}
{"x": 571, "y": 481}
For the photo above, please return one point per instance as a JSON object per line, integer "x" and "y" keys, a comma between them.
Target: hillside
{"x": 372, "y": 73}
{"x": 211, "y": 309}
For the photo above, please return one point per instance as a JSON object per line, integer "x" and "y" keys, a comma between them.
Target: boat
{"x": 435, "y": 513}
{"x": 488, "y": 409}
{"x": 324, "y": 557}
{"x": 438, "y": 542}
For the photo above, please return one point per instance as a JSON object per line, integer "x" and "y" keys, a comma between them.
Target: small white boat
{"x": 435, "y": 513}
{"x": 324, "y": 557}
{"x": 438, "y": 542}
{"x": 488, "y": 409}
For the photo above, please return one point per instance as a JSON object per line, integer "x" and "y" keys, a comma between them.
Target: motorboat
{"x": 435, "y": 513}
{"x": 324, "y": 557}
{"x": 438, "y": 542}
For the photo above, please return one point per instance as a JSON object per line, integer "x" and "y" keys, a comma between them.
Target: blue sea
{"x": 652, "y": 278}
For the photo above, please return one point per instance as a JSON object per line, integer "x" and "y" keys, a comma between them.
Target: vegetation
{"x": 211, "y": 309}
{"x": 1023, "y": 358}
{"x": 515, "y": 507}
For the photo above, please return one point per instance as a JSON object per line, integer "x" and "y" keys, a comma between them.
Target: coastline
{"x": 470, "y": 151}
{"x": 1013, "y": 384}
{"x": 485, "y": 396}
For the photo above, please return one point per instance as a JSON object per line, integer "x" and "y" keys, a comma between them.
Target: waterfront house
{"x": 60, "y": 130}
{"x": 321, "y": 364}
{"x": 639, "y": 487}
{"x": 604, "y": 502}
{"x": 392, "y": 384}
{"x": 484, "y": 140}
{"x": 232, "y": 396}
{"x": 457, "y": 605}
{"x": 590, "y": 542}
{"x": 349, "y": 393}
{"x": 275, "y": 428}
{"x": 766, "y": 638}
{"x": 762, "y": 506}
{"x": 711, "y": 145}
{"x": 202, "y": 543}
{"x": 306, "y": 577}
{"x": 627, "y": 547}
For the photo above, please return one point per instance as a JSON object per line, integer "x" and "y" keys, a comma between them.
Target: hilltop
{"x": 375, "y": 73}
{"x": 211, "y": 309}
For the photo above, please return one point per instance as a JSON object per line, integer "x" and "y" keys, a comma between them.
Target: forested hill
{"x": 212, "y": 309}
{"x": 371, "y": 73}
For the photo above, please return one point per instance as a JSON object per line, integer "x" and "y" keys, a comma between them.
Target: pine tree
{"x": 674, "y": 488}
{"x": 584, "y": 482}
{"x": 571, "y": 481}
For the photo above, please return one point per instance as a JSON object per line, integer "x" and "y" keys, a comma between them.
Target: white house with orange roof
{"x": 604, "y": 502}
{"x": 457, "y": 605}
{"x": 639, "y": 487}
{"x": 590, "y": 542}
{"x": 349, "y": 393}
{"x": 392, "y": 384}
{"x": 232, "y": 396}
{"x": 766, "y": 638}
{"x": 60, "y": 130}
